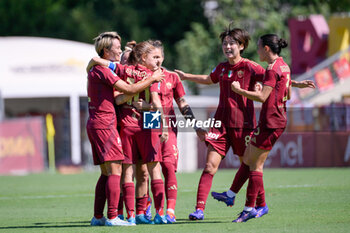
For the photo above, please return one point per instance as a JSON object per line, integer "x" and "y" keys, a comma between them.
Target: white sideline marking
{"x": 47, "y": 196}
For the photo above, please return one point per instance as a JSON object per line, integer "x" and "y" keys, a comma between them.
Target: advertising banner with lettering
{"x": 21, "y": 146}
{"x": 307, "y": 149}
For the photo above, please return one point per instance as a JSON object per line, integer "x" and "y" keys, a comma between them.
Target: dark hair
{"x": 127, "y": 50}
{"x": 158, "y": 44}
{"x": 141, "y": 48}
{"x": 239, "y": 35}
{"x": 275, "y": 43}
{"x": 130, "y": 45}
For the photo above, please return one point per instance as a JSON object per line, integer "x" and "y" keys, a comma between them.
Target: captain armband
{"x": 112, "y": 66}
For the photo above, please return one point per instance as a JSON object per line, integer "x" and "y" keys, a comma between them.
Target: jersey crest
{"x": 168, "y": 85}
{"x": 240, "y": 74}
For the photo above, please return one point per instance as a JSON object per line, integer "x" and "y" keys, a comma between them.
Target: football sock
{"x": 112, "y": 195}
{"x": 246, "y": 208}
{"x": 230, "y": 193}
{"x": 240, "y": 178}
{"x": 121, "y": 205}
{"x": 254, "y": 184}
{"x": 141, "y": 205}
{"x": 172, "y": 211}
{"x": 129, "y": 198}
{"x": 204, "y": 187}
{"x": 100, "y": 196}
{"x": 260, "y": 200}
{"x": 170, "y": 184}
{"x": 157, "y": 187}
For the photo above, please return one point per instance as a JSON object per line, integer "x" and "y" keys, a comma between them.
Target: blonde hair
{"x": 105, "y": 41}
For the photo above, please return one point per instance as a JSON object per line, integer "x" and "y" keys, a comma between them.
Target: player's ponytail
{"x": 276, "y": 44}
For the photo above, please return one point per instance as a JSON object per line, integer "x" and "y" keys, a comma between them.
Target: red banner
{"x": 342, "y": 68}
{"x": 311, "y": 149}
{"x": 324, "y": 80}
{"x": 21, "y": 146}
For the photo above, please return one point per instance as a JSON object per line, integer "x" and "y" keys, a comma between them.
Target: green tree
{"x": 82, "y": 20}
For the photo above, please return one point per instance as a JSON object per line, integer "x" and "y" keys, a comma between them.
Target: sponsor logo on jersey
{"x": 213, "y": 135}
{"x": 138, "y": 73}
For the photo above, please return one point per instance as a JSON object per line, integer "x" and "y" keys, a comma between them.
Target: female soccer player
{"x": 138, "y": 142}
{"x": 101, "y": 127}
{"x": 171, "y": 89}
{"x": 235, "y": 111}
{"x": 272, "y": 122}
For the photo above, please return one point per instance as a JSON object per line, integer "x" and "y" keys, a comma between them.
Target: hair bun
{"x": 282, "y": 43}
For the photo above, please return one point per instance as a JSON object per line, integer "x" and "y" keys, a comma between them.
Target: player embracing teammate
{"x": 102, "y": 127}
{"x": 140, "y": 145}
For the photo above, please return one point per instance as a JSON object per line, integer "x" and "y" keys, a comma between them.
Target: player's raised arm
{"x": 132, "y": 89}
{"x": 259, "y": 96}
{"x": 98, "y": 61}
{"x": 197, "y": 78}
{"x": 303, "y": 84}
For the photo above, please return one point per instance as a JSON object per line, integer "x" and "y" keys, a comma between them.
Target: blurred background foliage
{"x": 188, "y": 29}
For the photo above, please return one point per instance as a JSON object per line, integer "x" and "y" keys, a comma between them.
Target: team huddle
{"x": 122, "y": 85}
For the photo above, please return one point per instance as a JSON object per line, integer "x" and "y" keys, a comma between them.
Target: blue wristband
{"x": 112, "y": 66}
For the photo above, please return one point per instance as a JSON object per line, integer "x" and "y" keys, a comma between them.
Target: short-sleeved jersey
{"x": 273, "y": 111}
{"x": 234, "y": 110}
{"x": 129, "y": 116}
{"x": 170, "y": 89}
{"x": 100, "y": 98}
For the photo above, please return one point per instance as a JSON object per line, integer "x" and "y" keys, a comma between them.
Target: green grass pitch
{"x": 300, "y": 200}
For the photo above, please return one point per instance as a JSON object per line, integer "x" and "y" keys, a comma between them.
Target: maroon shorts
{"x": 170, "y": 153}
{"x": 106, "y": 145}
{"x": 265, "y": 138}
{"x": 222, "y": 138}
{"x": 140, "y": 144}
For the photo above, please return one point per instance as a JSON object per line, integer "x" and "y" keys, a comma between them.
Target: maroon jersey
{"x": 234, "y": 110}
{"x": 171, "y": 88}
{"x": 129, "y": 116}
{"x": 100, "y": 97}
{"x": 273, "y": 111}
